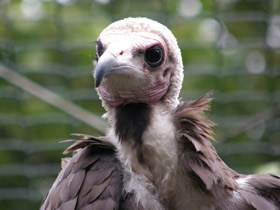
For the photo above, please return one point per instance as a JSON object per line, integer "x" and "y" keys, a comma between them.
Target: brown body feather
{"x": 199, "y": 160}
{"x": 92, "y": 178}
{"x": 198, "y": 156}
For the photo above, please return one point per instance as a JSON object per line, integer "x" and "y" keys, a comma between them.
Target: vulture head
{"x": 137, "y": 61}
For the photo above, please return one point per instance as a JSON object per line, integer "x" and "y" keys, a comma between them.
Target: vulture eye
{"x": 99, "y": 49}
{"x": 154, "y": 56}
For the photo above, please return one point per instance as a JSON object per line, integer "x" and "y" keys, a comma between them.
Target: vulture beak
{"x": 110, "y": 63}
{"x": 105, "y": 66}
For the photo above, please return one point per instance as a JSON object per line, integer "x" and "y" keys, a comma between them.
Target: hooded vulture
{"x": 157, "y": 153}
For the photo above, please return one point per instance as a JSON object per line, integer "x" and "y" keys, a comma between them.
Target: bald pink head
{"x": 133, "y": 65}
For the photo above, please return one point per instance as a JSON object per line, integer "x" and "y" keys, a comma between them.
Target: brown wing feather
{"x": 197, "y": 156}
{"x": 91, "y": 179}
{"x": 199, "y": 160}
{"x": 261, "y": 190}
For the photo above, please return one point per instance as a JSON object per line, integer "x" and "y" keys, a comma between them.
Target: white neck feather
{"x": 159, "y": 151}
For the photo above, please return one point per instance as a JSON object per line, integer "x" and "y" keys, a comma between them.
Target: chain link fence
{"x": 46, "y": 88}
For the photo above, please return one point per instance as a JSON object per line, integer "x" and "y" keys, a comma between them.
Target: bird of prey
{"x": 157, "y": 152}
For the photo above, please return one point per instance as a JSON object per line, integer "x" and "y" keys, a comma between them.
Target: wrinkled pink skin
{"x": 134, "y": 81}
{"x": 153, "y": 95}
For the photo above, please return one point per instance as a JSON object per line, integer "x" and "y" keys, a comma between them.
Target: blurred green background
{"x": 229, "y": 46}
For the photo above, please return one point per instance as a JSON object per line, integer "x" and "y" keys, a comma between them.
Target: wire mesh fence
{"x": 46, "y": 88}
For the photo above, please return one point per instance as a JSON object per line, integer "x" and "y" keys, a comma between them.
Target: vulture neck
{"x": 145, "y": 137}
{"x": 167, "y": 156}
{"x": 132, "y": 121}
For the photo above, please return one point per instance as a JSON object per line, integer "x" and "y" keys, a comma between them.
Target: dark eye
{"x": 99, "y": 49}
{"x": 154, "y": 56}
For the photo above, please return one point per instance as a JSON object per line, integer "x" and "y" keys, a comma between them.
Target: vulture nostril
{"x": 121, "y": 53}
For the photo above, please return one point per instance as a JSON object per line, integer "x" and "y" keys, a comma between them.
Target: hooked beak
{"x": 105, "y": 66}
{"x": 109, "y": 64}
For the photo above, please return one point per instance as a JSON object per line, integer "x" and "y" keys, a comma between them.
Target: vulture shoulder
{"x": 91, "y": 179}
{"x": 197, "y": 156}
{"x": 199, "y": 160}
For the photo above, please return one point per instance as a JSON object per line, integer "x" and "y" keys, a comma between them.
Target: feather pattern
{"x": 91, "y": 179}
{"x": 261, "y": 190}
{"x": 197, "y": 156}
{"x": 199, "y": 160}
